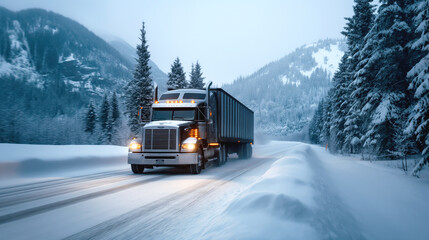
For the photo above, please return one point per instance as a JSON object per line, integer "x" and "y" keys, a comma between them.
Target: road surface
{"x": 286, "y": 190}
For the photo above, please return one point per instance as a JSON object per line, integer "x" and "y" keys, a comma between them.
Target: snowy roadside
{"x": 311, "y": 194}
{"x": 17, "y": 160}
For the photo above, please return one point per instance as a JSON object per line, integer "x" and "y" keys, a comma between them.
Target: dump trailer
{"x": 190, "y": 127}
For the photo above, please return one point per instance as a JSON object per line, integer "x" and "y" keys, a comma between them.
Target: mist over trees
{"x": 379, "y": 100}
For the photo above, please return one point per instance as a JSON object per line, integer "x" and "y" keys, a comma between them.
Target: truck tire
{"x": 137, "y": 169}
{"x": 196, "y": 168}
{"x": 249, "y": 151}
{"x": 223, "y": 155}
{"x": 243, "y": 151}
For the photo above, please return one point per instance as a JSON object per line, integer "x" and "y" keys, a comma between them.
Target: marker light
{"x": 176, "y": 102}
{"x": 192, "y": 101}
{"x": 180, "y": 101}
{"x": 214, "y": 144}
{"x": 193, "y": 133}
{"x": 156, "y": 102}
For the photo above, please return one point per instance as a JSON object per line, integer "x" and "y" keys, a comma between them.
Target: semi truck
{"x": 191, "y": 127}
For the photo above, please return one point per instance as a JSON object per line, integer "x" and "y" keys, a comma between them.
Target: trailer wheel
{"x": 196, "y": 168}
{"x": 137, "y": 169}
{"x": 249, "y": 151}
{"x": 223, "y": 155}
{"x": 242, "y": 151}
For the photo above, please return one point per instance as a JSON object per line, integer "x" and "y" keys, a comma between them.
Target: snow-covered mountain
{"x": 284, "y": 93}
{"x": 51, "y": 67}
{"x": 38, "y": 45}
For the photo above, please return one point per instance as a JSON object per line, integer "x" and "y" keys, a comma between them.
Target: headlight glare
{"x": 135, "y": 147}
{"x": 189, "y": 145}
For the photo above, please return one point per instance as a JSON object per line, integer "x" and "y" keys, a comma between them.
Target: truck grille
{"x": 160, "y": 139}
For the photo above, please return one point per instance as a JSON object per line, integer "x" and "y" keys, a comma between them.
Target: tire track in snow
{"x": 55, "y": 205}
{"x": 7, "y": 191}
{"x": 61, "y": 189}
{"x": 153, "y": 215}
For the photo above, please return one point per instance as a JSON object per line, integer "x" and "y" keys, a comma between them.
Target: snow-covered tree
{"x": 419, "y": 82}
{"x": 380, "y": 81}
{"x": 356, "y": 29}
{"x": 139, "y": 90}
{"x": 340, "y": 101}
{"x": 316, "y": 124}
{"x": 326, "y": 138}
{"x": 104, "y": 113}
{"x": 196, "y": 77}
{"x": 114, "y": 120}
{"x": 176, "y": 78}
{"x": 105, "y": 121}
{"x": 115, "y": 113}
{"x": 91, "y": 119}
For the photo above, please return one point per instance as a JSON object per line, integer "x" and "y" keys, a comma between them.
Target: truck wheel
{"x": 249, "y": 151}
{"x": 242, "y": 151}
{"x": 196, "y": 168}
{"x": 137, "y": 169}
{"x": 223, "y": 154}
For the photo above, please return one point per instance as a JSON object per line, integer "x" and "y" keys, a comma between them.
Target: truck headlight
{"x": 135, "y": 146}
{"x": 189, "y": 145}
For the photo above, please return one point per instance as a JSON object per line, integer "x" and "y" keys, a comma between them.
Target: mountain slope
{"x": 45, "y": 46}
{"x": 283, "y": 94}
{"x": 51, "y": 67}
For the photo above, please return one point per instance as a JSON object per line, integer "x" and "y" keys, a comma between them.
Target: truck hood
{"x": 168, "y": 123}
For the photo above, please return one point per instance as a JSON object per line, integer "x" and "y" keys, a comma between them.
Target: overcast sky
{"x": 229, "y": 38}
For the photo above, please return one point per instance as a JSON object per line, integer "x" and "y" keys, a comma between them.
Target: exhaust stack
{"x": 207, "y": 99}
{"x": 155, "y": 92}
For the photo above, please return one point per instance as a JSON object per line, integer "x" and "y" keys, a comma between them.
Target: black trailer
{"x": 233, "y": 124}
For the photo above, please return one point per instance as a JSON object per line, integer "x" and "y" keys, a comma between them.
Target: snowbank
{"x": 23, "y": 159}
{"x": 282, "y": 199}
{"x": 312, "y": 194}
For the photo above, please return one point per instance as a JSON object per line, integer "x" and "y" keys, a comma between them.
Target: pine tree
{"x": 316, "y": 124}
{"x": 340, "y": 101}
{"x": 91, "y": 119}
{"x": 176, "y": 78}
{"x": 115, "y": 114}
{"x": 104, "y": 120}
{"x": 419, "y": 82}
{"x": 139, "y": 90}
{"x": 356, "y": 29}
{"x": 196, "y": 77}
{"x": 114, "y": 120}
{"x": 381, "y": 79}
{"x": 325, "y": 137}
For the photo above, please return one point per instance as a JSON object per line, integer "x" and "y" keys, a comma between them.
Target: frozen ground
{"x": 288, "y": 190}
{"x": 21, "y": 163}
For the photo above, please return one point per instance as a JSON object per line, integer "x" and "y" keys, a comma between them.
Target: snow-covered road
{"x": 287, "y": 190}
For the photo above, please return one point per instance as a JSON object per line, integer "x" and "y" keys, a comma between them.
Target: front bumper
{"x": 162, "y": 159}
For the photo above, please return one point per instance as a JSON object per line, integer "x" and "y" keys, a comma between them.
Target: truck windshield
{"x": 168, "y": 114}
